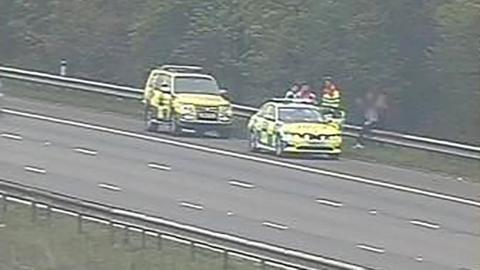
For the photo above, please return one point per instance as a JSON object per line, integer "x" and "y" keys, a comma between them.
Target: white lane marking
{"x": 85, "y": 151}
{"x": 329, "y": 202}
{"x": 154, "y": 234}
{"x": 280, "y": 266}
{"x": 65, "y": 212}
{"x": 191, "y": 205}
{"x": 134, "y": 229}
{"x": 230, "y": 213}
{"x": 2, "y": 225}
{"x": 419, "y": 259}
{"x": 425, "y": 224}
{"x": 12, "y": 136}
{"x": 244, "y": 257}
{"x": 20, "y": 201}
{"x": 120, "y": 226}
{"x": 372, "y": 211}
{"x": 175, "y": 239}
{"x": 249, "y": 157}
{"x": 371, "y": 248}
{"x": 96, "y": 220}
{"x": 275, "y": 225}
{"x": 128, "y": 213}
{"x": 203, "y": 246}
{"x": 35, "y": 169}
{"x": 157, "y": 166}
{"x": 109, "y": 187}
{"x": 240, "y": 184}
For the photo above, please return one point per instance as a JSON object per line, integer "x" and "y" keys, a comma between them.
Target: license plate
{"x": 208, "y": 115}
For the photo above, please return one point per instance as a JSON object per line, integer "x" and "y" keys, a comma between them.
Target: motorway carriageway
{"x": 364, "y": 224}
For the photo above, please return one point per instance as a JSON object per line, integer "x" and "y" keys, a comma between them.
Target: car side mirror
{"x": 165, "y": 88}
{"x": 269, "y": 118}
{"x": 224, "y": 93}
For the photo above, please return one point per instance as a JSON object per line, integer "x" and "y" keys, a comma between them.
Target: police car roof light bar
{"x": 181, "y": 68}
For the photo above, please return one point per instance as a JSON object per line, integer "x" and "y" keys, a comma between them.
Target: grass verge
{"x": 54, "y": 244}
{"x": 467, "y": 169}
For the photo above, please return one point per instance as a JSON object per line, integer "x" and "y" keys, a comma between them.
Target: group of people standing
{"x": 330, "y": 93}
{"x": 331, "y": 99}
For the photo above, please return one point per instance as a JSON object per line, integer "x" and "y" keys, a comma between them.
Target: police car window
{"x": 297, "y": 115}
{"x": 162, "y": 79}
{"x": 196, "y": 85}
{"x": 268, "y": 111}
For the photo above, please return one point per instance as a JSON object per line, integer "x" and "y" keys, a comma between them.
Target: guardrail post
{"x": 49, "y": 214}
{"x": 63, "y": 67}
{"x": 34, "y": 211}
{"x": 112, "y": 233}
{"x": 79, "y": 223}
{"x": 126, "y": 236}
{"x": 262, "y": 264}
{"x": 192, "y": 250}
{"x": 160, "y": 242}
{"x": 144, "y": 239}
{"x": 225, "y": 259}
{"x": 4, "y": 208}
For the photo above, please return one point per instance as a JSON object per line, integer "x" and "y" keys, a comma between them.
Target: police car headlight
{"x": 225, "y": 111}
{"x": 287, "y": 136}
{"x": 187, "y": 109}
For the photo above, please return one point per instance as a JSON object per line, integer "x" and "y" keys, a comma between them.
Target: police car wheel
{"x": 175, "y": 128}
{"x": 253, "y": 141}
{"x": 149, "y": 116}
{"x": 278, "y": 147}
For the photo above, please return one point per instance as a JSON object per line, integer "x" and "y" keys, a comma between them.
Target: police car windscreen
{"x": 300, "y": 115}
{"x": 195, "y": 85}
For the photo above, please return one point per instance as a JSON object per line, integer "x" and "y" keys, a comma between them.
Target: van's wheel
{"x": 175, "y": 128}
{"x": 149, "y": 116}
{"x": 278, "y": 147}
{"x": 253, "y": 141}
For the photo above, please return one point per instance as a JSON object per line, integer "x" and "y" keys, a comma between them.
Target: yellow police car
{"x": 286, "y": 126}
{"x": 186, "y": 100}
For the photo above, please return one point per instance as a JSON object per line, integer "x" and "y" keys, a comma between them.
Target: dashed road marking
{"x": 241, "y": 184}
{"x": 85, "y": 151}
{"x": 109, "y": 187}
{"x": 230, "y": 213}
{"x": 371, "y": 248}
{"x": 12, "y": 136}
{"x": 299, "y": 167}
{"x": 195, "y": 206}
{"x": 372, "y": 211}
{"x": 425, "y": 224}
{"x": 157, "y": 166}
{"x": 35, "y": 170}
{"x": 419, "y": 259}
{"x": 275, "y": 225}
{"x": 329, "y": 202}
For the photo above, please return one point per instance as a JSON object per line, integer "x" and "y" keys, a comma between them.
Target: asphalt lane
{"x": 404, "y": 176}
{"x": 373, "y": 226}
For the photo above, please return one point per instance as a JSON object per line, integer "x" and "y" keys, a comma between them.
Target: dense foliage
{"x": 425, "y": 55}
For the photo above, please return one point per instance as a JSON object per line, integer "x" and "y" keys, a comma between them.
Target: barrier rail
{"x": 387, "y": 137}
{"x": 227, "y": 245}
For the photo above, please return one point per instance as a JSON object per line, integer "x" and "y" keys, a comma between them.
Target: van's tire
{"x": 278, "y": 147}
{"x": 150, "y": 114}
{"x": 175, "y": 128}
{"x": 253, "y": 141}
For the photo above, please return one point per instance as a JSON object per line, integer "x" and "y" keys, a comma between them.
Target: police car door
{"x": 268, "y": 125}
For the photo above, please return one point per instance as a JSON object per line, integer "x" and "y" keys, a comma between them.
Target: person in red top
{"x": 307, "y": 93}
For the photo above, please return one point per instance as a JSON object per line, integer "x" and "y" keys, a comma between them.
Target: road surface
{"x": 372, "y": 226}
